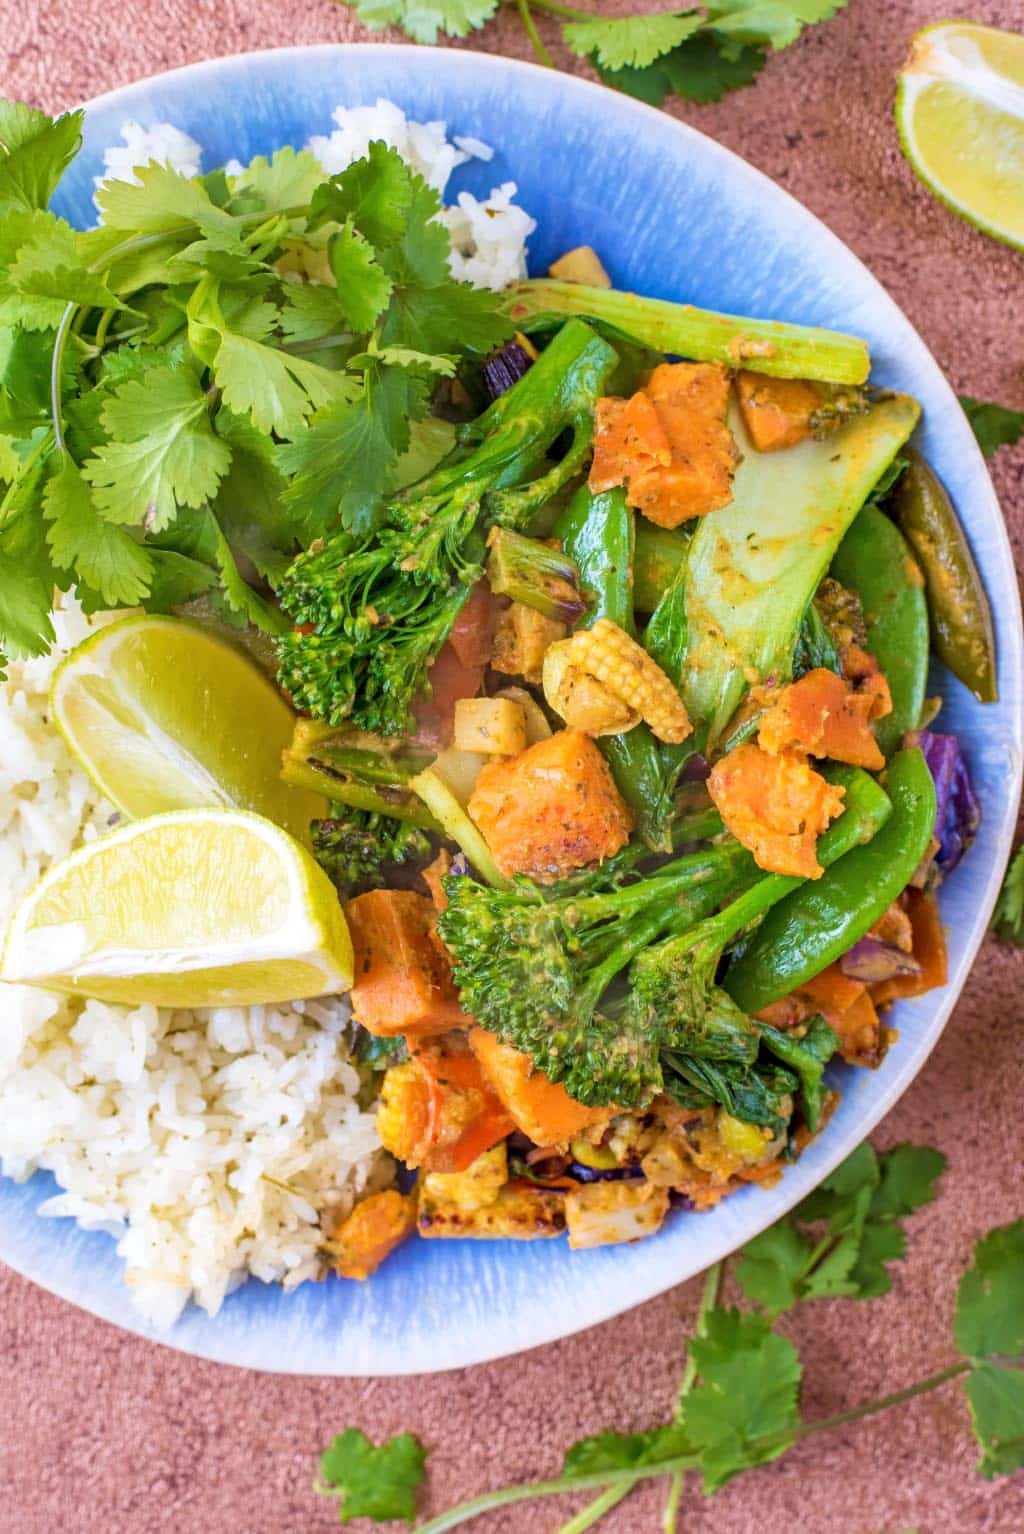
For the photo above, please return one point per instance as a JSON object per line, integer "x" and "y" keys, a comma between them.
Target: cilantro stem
{"x": 56, "y": 368}
{"x": 671, "y": 1513}
{"x": 523, "y": 7}
{"x": 708, "y": 1301}
{"x": 594, "y": 1511}
{"x": 869, "y": 1408}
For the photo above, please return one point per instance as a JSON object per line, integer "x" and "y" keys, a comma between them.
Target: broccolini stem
{"x": 764, "y": 346}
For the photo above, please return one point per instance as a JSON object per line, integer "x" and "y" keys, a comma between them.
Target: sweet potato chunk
{"x": 552, "y": 809}
{"x": 775, "y": 805}
{"x": 628, "y": 438}
{"x": 403, "y": 981}
{"x": 862, "y": 669}
{"x": 820, "y": 715}
{"x": 691, "y": 400}
{"x": 777, "y": 412}
{"x": 928, "y": 945}
{"x": 542, "y": 1109}
{"x": 372, "y": 1231}
{"x": 438, "y": 1110}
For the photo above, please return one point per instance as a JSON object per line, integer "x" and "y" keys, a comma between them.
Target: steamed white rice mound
{"x": 488, "y": 236}
{"x": 207, "y": 1142}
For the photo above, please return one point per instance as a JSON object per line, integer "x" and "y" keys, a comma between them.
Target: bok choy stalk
{"x": 763, "y": 346}
{"x": 753, "y": 568}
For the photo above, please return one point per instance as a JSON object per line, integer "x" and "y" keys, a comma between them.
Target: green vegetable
{"x": 534, "y": 966}
{"x": 698, "y": 55}
{"x": 995, "y": 426}
{"x": 660, "y": 554}
{"x": 1008, "y": 917}
{"x": 765, "y": 346}
{"x": 150, "y": 368}
{"x": 370, "y": 1481}
{"x": 738, "y": 1400}
{"x": 597, "y": 532}
{"x": 875, "y": 561}
{"x": 374, "y": 610}
{"x": 962, "y": 631}
{"x": 456, "y": 824}
{"x": 375, "y": 781}
{"x": 747, "y": 587}
{"x": 358, "y": 850}
{"x": 534, "y": 573}
{"x": 821, "y": 920}
{"x": 862, "y": 1204}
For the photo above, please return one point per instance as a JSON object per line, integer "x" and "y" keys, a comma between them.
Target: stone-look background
{"x": 103, "y": 1434}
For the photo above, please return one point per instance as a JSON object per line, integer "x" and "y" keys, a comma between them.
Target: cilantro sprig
{"x": 738, "y": 1401}
{"x": 698, "y": 53}
{"x": 995, "y": 426}
{"x": 180, "y": 411}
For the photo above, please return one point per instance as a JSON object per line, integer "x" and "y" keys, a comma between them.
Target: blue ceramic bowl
{"x": 673, "y": 215}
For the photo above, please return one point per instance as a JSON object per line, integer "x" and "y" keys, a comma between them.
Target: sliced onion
{"x": 871, "y": 960}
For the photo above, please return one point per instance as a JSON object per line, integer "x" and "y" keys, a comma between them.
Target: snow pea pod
{"x": 597, "y": 531}
{"x": 962, "y": 632}
{"x": 660, "y": 555}
{"x": 875, "y": 560}
{"x": 808, "y": 930}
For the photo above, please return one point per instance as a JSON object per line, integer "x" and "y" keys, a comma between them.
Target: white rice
{"x": 206, "y": 1142}
{"x": 488, "y": 237}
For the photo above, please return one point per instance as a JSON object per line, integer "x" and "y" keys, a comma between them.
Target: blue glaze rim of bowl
{"x": 362, "y": 1329}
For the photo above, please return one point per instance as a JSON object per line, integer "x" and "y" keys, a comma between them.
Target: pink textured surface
{"x": 104, "y": 1434}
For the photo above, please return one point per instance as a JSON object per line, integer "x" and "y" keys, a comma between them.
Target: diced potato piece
{"x": 403, "y": 981}
{"x": 552, "y": 809}
{"x": 523, "y": 636}
{"x": 520, "y": 1213}
{"x": 820, "y": 714}
{"x": 541, "y": 1109}
{"x": 777, "y": 412}
{"x": 537, "y": 727}
{"x": 371, "y": 1233}
{"x": 691, "y": 400}
{"x": 490, "y": 726}
{"x": 777, "y": 806}
{"x": 607, "y": 1213}
{"x": 582, "y": 264}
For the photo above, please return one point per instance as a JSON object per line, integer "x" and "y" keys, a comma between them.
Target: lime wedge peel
{"x": 190, "y": 909}
{"x": 960, "y": 118}
{"x": 162, "y": 715}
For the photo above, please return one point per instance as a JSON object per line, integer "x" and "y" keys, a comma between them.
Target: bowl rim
{"x": 717, "y": 1245}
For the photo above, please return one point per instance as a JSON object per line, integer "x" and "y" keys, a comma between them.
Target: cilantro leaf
{"x": 746, "y": 1395}
{"x": 312, "y": 311}
{"x": 452, "y": 317}
{"x": 995, "y": 426}
{"x": 239, "y": 596}
{"x": 342, "y": 463}
{"x": 996, "y": 1399}
{"x": 363, "y": 287}
{"x": 175, "y": 580}
{"x": 163, "y": 199}
{"x": 288, "y": 179}
{"x": 35, "y": 151}
{"x": 106, "y": 557}
{"x": 775, "y": 23}
{"x": 701, "y": 69}
{"x": 908, "y": 1174}
{"x": 1008, "y": 917}
{"x": 406, "y": 357}
{"x": 163, "y": 453}
{"x": 277, "y": 390}
{"x": 26, "y": 571}
{"x": 422, "y": 20}
{"x": 990, "y": 1300}
{"x": 373, "y": 1481}
{"x": 250, "y": 505}
{"x": 10, "y": 463}
{"x": 621, "y": 1451}
{"x": 772, "y": 1266}
{"x": 374, "y": 192}
{"x": 621, "y": 42}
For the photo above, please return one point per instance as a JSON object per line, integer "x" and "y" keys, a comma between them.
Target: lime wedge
{"x": 960, "y": 116}
{"x": 199, "y": 908}
{"x": 165, "y": 716}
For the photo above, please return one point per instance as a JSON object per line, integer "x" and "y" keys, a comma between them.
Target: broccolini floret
{"x": 358, "y": 848}
{"x": 372, "y": 612}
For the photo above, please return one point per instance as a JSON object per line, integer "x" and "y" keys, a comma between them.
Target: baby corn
{"x": 607, "y": 653}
